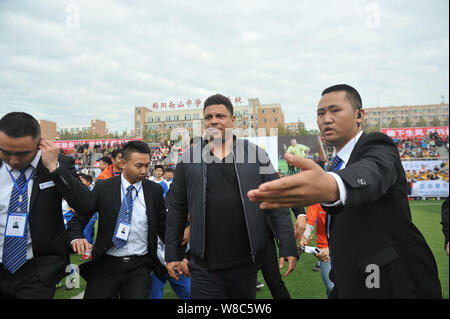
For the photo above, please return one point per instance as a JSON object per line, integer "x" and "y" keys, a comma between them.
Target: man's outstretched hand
{"x": 312, "y": 185}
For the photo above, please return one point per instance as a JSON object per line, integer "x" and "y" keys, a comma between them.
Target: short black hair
{"x": 218, "y": 99}
{"x": 20, "y": 124}
{"x": 350, "y": 93}
{"x": 106, "y": 159}
{"x": 169, "y": 169}
{"x": 159, "y": 166}
{"x": 134, "y": 146}
{"x": 115, "y": 153}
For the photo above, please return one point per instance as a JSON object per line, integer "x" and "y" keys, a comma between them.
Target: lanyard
{"x": 115, "y": 173}
{"x": 132, "y": 199}
{"x": 20, "y": 191}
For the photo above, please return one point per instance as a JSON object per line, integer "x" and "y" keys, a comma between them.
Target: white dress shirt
{"x": 6, "y": 186}
{"x": 137, "y": 243}
{"x": 344, "y": 154}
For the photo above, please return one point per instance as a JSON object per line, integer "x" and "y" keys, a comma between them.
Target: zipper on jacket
{"x": 243, "y": 206}
{"x": 204, "y": 207}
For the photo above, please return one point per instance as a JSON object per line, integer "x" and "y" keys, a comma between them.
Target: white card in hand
{"x": 123, "y": 231}
{"x": 15, "y": 227}
{"x": 311, "y": 250}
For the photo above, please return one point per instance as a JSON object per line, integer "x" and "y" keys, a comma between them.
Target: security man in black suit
{"x": 376, "y": 251}
{"x": 131, "y": 215}
{"x": 34, "y": 178}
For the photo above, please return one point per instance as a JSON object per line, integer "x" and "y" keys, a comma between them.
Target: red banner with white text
{"x": 408, "y": 132}
{"x": 71, "y": 144}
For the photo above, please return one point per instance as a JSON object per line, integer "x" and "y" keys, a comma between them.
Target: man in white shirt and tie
{"x": 34, "y": 178}
{"x": 376, "y": 251}
{"x": 131, "y": 214}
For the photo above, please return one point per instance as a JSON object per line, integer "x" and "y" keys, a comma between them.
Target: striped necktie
{"x": 124, "y": 216}
{"x": 15, "y": 248}
{"x": 335, "y": 163}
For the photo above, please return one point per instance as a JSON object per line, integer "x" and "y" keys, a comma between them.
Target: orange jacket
{"x": 316, "y": 212}
{"x": 107, "y": 173}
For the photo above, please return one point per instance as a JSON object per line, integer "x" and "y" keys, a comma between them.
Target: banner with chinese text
{"x": 71, "y": 144}
{"x": 409, "y": 132}
{"x": 437, "y": 188}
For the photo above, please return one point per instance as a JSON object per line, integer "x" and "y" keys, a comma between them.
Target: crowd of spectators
{"x": 86, "y": 158}
{"x": 412, "y": 148}
{"x": 424, "y": 174}
{"x": 418, "y": 147}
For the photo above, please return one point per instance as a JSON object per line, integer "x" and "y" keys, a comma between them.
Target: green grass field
{"x": 304, "y": 283}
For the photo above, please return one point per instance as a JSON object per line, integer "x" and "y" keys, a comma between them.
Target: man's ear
{"x": 39, "y": 139}
{"x": 360, "y": 117}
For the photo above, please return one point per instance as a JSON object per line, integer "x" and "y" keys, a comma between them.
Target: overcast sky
{"x": 73, "y": 61}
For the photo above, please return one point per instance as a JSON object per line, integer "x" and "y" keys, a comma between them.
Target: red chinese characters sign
{"x": 71, "y": 144}
{"x": 409, "y": 132}
{"x": 188, "y": 103}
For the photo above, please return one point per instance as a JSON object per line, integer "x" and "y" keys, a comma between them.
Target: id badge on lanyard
{"x": 123, "y": 231}
{"x": 17, "y": 220}
{"x": 16, "y": 225}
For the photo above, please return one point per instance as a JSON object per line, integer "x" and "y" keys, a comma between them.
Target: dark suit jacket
{"x": 375, "y": 227}
{"x": 444, "y": 220}
{"x": 47, "y": 230}
{"x": 106, "y": 200}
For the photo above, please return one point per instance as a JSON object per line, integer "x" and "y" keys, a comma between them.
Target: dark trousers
{"x": 271, "y": 272}
{"x": 24, "y": 284}
{"x": 231, "y": 283}
{"x": 111, "y": 278}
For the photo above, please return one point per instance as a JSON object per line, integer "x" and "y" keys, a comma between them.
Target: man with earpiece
{"x": 376, "y": 251}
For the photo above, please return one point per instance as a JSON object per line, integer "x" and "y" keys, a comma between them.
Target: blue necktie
{"x": 123, "y": 216}
{"x": 15, "y": 248}
{"x": 335, "y": 162}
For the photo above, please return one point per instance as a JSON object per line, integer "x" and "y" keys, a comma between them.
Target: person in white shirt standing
{"x": 376, "y": 251}
{"x": 34, "y": 177}
{"x": 131, "y": 215}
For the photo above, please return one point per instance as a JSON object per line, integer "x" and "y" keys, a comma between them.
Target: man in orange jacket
{"x": 313, "y": 214}
{"x": 111, "y": 170}
{"x": 115, "y": 168}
